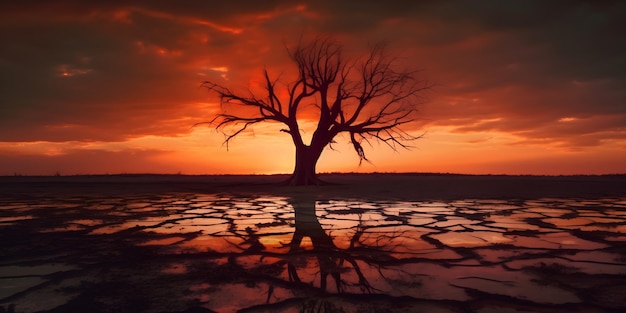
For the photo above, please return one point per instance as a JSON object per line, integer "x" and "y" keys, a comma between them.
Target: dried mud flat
{"x": 369, "y": 243}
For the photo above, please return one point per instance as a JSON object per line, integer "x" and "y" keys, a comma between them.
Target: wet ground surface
{"x": 194, "y": 252}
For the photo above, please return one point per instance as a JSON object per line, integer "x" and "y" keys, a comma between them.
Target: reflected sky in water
{"x": 224, "y": 253}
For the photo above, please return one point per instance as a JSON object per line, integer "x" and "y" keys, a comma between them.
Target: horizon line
{"x": 321, "y": 173}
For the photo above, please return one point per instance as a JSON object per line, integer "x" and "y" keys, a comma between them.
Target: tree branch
{"x": 369, "y": 99}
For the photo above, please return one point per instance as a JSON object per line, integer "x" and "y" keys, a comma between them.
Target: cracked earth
{"x": 195, "y": 252}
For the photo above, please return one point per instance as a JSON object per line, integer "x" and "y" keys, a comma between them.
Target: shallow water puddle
{"x": 166, "y": 253}
{"x": 9, "y": 220}
{"x": 471, "y": 239}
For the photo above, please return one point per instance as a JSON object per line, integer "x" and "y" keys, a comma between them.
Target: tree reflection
{"x": 331, "y": 260}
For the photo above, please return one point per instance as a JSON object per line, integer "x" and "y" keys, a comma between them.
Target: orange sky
{"x": 95, "y": 87}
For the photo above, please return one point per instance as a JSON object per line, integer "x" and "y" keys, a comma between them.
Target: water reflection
{"x": 178, "y": 252}
{"x": 331, "y": 261}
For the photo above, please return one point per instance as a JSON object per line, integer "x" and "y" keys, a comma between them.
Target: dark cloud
{"x": 114, "y": 80}
{"x": 82, "y": 162}
{"x": 112, "y": 70}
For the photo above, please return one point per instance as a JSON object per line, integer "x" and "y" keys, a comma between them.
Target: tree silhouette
{"x": 367, "y": 98}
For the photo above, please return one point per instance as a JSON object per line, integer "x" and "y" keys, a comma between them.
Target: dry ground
{"x": 362, "y": 186}
{"x": 386, "y": 242}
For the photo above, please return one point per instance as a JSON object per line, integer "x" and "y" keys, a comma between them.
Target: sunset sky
{"x": 520, "y": 87}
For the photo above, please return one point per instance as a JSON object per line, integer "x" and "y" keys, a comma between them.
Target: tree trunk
{"x": 306, "y": 161}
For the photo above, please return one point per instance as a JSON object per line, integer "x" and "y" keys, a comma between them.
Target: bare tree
{"x": 368, "y": 99}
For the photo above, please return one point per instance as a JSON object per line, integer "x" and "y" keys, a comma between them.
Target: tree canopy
{"x": 368, "y": 98}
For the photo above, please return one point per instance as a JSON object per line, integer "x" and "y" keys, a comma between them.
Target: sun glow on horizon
{"x": 202, "y": 152}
